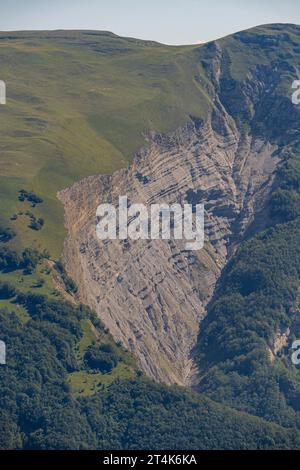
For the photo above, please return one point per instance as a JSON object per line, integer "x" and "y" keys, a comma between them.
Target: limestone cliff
{"x": 152, "y": 294}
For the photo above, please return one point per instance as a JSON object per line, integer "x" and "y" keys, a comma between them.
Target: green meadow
{"x": 81, "y": 103}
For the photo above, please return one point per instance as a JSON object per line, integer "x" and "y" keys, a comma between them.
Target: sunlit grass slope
{"x": 80, "y": 103}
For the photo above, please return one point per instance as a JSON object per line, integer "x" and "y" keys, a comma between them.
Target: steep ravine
{"x": 152, "y": 294}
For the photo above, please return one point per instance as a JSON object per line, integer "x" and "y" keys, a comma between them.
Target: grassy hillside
{"x": 81, "y": 103}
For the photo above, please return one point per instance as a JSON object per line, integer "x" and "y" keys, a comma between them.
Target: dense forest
{"x": 39, "y": 410}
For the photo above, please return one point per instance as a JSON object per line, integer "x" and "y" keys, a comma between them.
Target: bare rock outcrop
{"x": 152, "y": 294}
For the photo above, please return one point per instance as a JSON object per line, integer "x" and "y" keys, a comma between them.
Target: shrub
{"x": 7, "y": 290}
{"x": 29, "y": 196}
{"x": 6, "y": 234}
{"x": 102, "y": 358}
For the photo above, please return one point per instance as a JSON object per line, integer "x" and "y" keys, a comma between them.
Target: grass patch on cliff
{"x": 83, "y": 383}
{"x": 88, "y": 337}
{"x": 19, "y": 310}
{"x": 39, "y": 281}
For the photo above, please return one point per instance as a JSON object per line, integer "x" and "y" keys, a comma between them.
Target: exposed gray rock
{"x": 152, "y": 294}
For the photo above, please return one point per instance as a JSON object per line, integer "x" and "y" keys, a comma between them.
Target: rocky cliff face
{"x": 152, "y": 293}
